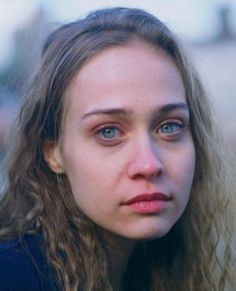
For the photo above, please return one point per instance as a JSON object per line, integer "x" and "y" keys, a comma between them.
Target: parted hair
{"x": 196, "y": 254}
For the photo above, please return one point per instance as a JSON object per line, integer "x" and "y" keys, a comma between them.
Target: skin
{"x": 119, "y": 142}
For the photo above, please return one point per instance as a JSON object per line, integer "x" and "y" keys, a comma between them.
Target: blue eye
{"x": 108, "y": 132}
{"x": 171, "y": 128}
{"x": 109, "y": 135}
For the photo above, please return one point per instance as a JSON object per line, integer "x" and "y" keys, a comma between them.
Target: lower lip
{"x": 148, "y": 207}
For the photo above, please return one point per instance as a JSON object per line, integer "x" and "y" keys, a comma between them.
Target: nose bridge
{"x": 145, "y": 147}
{"x": 145, "y": 156}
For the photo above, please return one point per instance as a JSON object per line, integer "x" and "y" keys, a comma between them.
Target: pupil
{"x": 166, "y": 128}
{"x": 108, "y": 132}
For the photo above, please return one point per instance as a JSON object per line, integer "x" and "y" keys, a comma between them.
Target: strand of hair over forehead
{"x": 132, "y": 20}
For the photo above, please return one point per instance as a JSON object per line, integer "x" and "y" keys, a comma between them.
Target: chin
{"x": 152, "y": 234}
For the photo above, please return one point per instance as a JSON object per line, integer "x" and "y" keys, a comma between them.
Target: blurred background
{"x": 207, "y": 28}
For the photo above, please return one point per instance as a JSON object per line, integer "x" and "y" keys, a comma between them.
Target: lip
{"x": 148, "y": 197}
{"x": 148, "y": 203}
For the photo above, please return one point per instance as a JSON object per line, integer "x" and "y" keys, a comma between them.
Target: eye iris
{"x": 168, "y": 128}
{"x": 108, "y": 132}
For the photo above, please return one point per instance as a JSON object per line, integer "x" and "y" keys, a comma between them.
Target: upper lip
{"x": 148, "y": 197}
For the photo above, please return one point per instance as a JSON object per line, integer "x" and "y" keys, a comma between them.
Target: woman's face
{"x": 127, "y": 148}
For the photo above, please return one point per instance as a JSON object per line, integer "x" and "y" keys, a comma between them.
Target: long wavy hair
{"x": 196, "y": 254}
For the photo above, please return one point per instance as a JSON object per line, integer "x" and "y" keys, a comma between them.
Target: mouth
{"x": 148, "y": 203}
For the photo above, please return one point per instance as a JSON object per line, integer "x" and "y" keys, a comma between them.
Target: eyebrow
{"x": 160, "y": 111}
{"x": 167, "y": 108}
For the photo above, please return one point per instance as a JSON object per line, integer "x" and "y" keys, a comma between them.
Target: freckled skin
{"x": 104, "y": 172}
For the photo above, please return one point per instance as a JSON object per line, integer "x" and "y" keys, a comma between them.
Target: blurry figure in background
{"x": 116, "y": 179}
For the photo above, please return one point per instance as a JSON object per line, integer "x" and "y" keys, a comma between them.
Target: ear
{"x": 52, "y": 156}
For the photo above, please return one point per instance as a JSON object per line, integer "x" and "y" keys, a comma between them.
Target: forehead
{"x": 132, "y": 70}
{"x": 119, "y": 57}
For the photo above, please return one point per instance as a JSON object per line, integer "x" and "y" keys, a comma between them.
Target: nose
{"x": 145, "y": 160}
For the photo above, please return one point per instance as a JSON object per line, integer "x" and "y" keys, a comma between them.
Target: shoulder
{"x": 24, "y": 266}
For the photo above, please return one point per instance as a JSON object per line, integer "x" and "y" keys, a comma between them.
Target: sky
{"x": 192, "y": 19}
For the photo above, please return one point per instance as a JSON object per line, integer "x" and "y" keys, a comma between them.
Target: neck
{"x": 119, "y": 250}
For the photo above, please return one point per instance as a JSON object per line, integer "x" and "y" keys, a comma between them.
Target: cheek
{"x": 185, "y": 169}
{"x": 190, "y": 163}
{"x": 87, "y": 172}
{"x": 80, "y": 170}
{"x": 83, "y": 182}
{"x": 181, "y": 168}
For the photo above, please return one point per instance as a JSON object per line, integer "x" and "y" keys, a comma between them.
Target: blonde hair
{"x": 196, "y": 254}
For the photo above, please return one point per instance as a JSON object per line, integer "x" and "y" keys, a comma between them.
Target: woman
{"x": 116, "y": 179}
